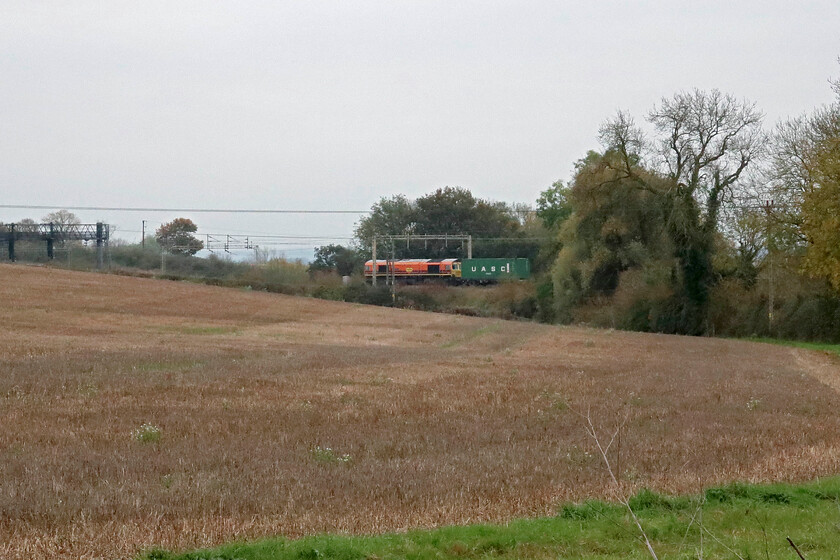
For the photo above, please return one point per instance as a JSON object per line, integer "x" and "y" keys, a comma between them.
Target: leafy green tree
{"x": 554, "y": 206}
{"x": 494, "y": 225}
{"x": 390, "y": 216}
{"x": 177, "y": 237}
{"x": 451, "y": 210}
{"x": 344, "y": 260}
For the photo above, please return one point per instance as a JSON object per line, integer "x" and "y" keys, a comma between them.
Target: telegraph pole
{"x": 373, "y": 256}
{"x": 393, "y": 275}
{"x": 143, "y": 238}
{"x": 768, "y": 208}
{"x": 12, "y": 242}
{"x": 100, "y": 245}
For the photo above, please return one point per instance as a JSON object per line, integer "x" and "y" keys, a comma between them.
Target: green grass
{"x": 752, "y": 520}
{"x": 823, "y": 346}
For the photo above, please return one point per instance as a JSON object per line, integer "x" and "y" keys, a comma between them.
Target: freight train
{"x": 478, "y": 271}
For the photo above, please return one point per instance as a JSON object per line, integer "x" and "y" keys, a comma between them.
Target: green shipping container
{"x": 495, "y": 269}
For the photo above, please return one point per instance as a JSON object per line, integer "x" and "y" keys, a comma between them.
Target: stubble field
{"x": 272, "y": 415}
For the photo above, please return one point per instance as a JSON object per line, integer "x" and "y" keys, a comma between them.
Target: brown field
{"x": 445, "y": 419}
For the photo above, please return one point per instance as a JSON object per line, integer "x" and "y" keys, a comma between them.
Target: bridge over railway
{"x": 52, "y": 233}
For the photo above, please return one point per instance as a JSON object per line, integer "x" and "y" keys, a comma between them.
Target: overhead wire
{"x": 190, "y": 210}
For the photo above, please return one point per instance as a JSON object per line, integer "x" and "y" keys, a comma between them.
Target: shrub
{"x": 147, "y": 433}
{"x": 326, "y": 455}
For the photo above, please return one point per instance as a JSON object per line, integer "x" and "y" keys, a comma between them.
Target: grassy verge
{"x": 823, "y": 346}
{"x": 750, "y": 521}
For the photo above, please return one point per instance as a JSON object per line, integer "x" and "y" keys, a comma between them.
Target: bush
{"x": 545, "y": 300}
{"x": 147, "y": 433}
{"x": 325, "y": 455}
{"x": 360, "y": 292}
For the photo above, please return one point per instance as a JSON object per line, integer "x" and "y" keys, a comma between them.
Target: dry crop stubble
{"x": 282, "y": 415}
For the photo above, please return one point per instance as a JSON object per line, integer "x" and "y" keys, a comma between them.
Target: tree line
{"x": 707, "y": 225}
{"x": 697, "y": 219}
{"x": 498, "y": 229}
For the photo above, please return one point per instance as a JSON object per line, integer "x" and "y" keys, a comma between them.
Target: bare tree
{"x": 61, "y": 219}
{"x": 707, "y": 140}
{"x": 798, "y": 165}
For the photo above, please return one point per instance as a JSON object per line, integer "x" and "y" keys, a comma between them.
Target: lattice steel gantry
{"x": 50, "y": 233}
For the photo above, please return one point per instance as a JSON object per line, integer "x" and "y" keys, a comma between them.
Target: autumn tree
{"x": 703, "y": 144}
{"x": 177, "y": 237}
{"x": 617, "y": 225}
{"x": 820, "y": 209}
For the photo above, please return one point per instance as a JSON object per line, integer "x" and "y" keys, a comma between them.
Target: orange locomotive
{"x": 415, "y": 268}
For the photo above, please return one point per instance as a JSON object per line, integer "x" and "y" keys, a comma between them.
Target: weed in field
{"x": 379, "y": 379}
{"x": 631, "y": 475}
{"x": 147, "y": 433}
{"x": 578, "y": 456}
{"x": 556, "y": 401}
{"x": 634, "y": 400}
{"x": 351, "y": 399}
{"x": 326, "y": 456}
{"x": 88, "y": 390}
{"x": 590, "y": 509}
{"x": 16, "y": 393}
{"x": 753, "y": 403}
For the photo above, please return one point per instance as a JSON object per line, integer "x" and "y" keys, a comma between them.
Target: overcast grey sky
{"x": 330, "y": 105}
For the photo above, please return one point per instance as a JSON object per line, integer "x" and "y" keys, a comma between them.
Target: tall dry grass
{"x": 442, "y": 419}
